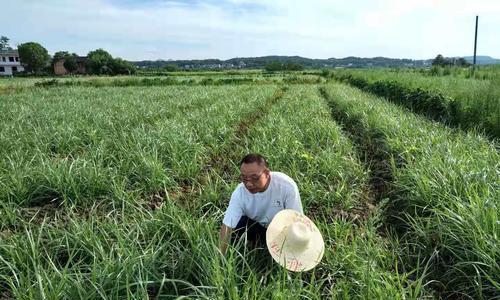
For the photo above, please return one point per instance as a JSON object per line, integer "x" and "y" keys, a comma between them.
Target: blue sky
{"x": 196, "y": 29}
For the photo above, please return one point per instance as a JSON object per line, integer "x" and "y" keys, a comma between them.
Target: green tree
{"x": 441, "y": 61}
{"x": 120, "y": 66}
{"x": 290, "y": 66}
{"x": 34, "y": 56}
{"x": 100, "y": 62}
{"x": 274, "y": 66}
{"x": 438, "y": 61}
{"x": 69, "y": 60}
{"x": 287, "y": 66}
{"x": 70, "y": 63}
{"x": 462, "y": 62}
{"x": 4, "y": 43}
{"x": 58, "y": 56}
{"x": 171, "y": 68}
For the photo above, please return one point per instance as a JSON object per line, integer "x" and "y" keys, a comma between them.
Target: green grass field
{"x": 116, "y": 188}
{"x": 471, "y": 103}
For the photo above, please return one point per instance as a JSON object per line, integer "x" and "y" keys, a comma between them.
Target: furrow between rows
{"x": 441, "y": 188}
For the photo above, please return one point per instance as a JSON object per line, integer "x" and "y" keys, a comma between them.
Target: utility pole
{"x": 475, "y": 41}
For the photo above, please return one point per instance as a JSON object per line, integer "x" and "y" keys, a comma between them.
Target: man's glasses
{"x": 253, "y": 178}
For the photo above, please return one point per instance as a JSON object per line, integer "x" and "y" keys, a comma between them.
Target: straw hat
{"x": 294, "y": 241}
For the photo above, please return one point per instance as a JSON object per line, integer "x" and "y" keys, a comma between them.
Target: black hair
{"x": 254, "y": 158}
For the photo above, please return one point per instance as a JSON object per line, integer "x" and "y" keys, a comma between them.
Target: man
{"x": 256, "y": 200}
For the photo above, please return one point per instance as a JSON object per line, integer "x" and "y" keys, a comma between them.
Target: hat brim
{"x": 291, "y": 259}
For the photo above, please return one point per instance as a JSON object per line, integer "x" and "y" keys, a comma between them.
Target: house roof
{"x": 81, "y": 58}
{"x": 78, "y": 59}
{"x": 8, "y": 52}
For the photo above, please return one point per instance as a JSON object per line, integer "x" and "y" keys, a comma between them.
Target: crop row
{"x": 485, "y": 72}
{"x": 464, "y": 103}
{"x": 170, "y": 252}
{"x": 81, "y": 146}
{"x": 299, "y": 138}
{"x": 95, "y": 148}
{"x": 444, "y": 192}
{"x": 168, "y": 81}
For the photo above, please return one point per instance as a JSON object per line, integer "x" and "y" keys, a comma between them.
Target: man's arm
{"x": 224, "y": 238}
{"x": 293, "y": 201}
{"x": 233, "y": 214}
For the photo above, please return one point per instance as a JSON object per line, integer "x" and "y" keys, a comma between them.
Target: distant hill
{"x": 261, "y": 62}
{"x": 483, "y": 60}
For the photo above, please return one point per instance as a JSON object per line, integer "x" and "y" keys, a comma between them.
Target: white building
{"x": 9, "y": 62}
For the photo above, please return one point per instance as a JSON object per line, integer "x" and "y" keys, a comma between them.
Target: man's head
{"x": 255, "y": 173}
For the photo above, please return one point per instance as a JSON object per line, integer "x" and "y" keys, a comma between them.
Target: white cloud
{"x": 202, "y": 29}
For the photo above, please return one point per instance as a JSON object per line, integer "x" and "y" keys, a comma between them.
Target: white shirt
{"x": 282, "y": 193}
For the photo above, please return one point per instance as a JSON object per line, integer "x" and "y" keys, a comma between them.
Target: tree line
{"x": 263, "y": 61}
{"x": 443, "y": 62}
{"x": 286, "y": 66}
{"x": 37, "y": 61}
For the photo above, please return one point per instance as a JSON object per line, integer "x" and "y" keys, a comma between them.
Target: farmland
{"x": 116, "y": 187}
{"x": 467, "y": 99}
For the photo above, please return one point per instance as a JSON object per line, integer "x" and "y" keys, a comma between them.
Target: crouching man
{"x": 256, "y": 200}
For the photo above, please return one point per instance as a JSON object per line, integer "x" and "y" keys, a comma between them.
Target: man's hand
{"x": 224, "y": 237}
